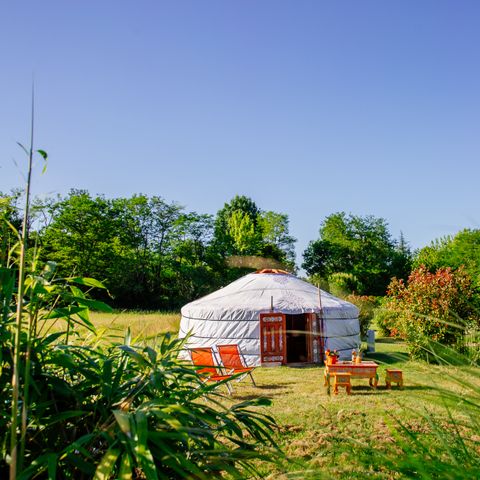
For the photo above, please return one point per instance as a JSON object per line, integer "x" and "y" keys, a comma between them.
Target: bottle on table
{"x": 358, "y": 358}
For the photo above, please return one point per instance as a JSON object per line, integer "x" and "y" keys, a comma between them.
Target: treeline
{"x": 154, "y": 254}
{"x": 150, "y": 253}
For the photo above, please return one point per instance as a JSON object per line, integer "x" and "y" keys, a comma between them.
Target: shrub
{"x": 112, "y": 410}
{"x": 367, "y": 305}
{"x": 385, "y": 320}
{"x": 432, "y": 307}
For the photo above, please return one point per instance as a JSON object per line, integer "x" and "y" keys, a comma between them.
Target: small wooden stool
{"x": 341, "y": 380}
{"x": 393, "y": 376}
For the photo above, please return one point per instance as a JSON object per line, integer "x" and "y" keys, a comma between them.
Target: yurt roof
{"x": 246, "y": 297}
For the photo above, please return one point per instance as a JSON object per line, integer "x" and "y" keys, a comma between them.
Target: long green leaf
{"x": 123, "y": 420}
{"x": 89, "y": 282}
{"x": 105, "y": 468}
{"x": 125, "y": 472}
{"x": 144, "y": 456}
{"x": 95, "y": 304}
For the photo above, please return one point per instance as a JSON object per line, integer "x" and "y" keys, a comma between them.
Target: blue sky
{"x": 308, "y": 107}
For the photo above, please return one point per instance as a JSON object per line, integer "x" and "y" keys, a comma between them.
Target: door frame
{"x": 315, "y": 334}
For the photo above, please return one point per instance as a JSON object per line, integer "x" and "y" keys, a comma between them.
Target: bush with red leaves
{"x": 432, "y": 308}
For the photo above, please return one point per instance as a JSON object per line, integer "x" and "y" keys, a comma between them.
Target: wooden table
{"x": 356, "y": 370}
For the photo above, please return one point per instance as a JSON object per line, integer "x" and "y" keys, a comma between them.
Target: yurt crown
{"x": 273, "y": 270}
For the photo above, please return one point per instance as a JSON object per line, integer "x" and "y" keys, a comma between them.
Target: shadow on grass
{"x": 388, "y": 340}
{"x": 244, "y": 398}
{"x": 383, "y": 388}
{"x": 282, "y": 388}
{"x": 304, "y": 365}
{"x": 388, "y": 358}
{"x": 274, "y": 386}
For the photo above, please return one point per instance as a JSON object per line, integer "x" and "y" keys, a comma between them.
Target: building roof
{"x": 244, "y": 298}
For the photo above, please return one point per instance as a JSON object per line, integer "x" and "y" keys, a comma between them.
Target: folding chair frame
{"x": 212, "y": 377}
{"x": 248, "y": 370}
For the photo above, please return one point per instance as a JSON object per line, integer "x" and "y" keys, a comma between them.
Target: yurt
{"x": 275, "y": 318}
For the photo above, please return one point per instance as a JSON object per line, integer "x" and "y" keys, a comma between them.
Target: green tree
{"x": 194, "y": 260}
{"x": 82, "y": 235}
{"x": 149, "y": 252}
{"x": 277, "y": 240}
{"x": 224, "y": 240}
{"x": 241, "y": 230}
{"x": 453, "y": 251}
{"x": 359, "y": 246}
{"x": 10, "y": 221}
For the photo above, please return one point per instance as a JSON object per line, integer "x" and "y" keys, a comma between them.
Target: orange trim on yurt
{"x": 273, "y": 270}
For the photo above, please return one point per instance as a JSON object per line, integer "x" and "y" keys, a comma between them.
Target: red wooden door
{"x": 273, "y": 341}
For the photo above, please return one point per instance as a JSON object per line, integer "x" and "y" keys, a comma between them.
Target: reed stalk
{"x": 16, "y": 460}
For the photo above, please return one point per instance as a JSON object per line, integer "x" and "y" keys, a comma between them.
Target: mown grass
{"x": 329, "y": 436}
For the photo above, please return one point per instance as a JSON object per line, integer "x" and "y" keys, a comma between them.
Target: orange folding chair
{"x": 203, "y": 357}
{"x": 233, "y": 361}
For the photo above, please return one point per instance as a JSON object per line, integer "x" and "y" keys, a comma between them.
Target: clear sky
{"x": 308, "y": 107}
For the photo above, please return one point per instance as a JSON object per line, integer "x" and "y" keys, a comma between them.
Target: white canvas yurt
{"x": 275, "y": 318}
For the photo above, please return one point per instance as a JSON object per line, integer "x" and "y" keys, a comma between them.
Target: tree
{"x": 10, "y": 221}
{"x": 225, "y": 230}
{"x": 453, "y": 251}
{"x": 358, "y": 246}
{"x": 276, "y": 237}
{"x": 149, "y": 252}
{"x": 82, "y": 235}
{"x": 194, "y": 261}
{"x": 242, "y": 228}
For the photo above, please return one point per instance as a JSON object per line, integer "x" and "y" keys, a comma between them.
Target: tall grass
{"x": 448, "y": 445}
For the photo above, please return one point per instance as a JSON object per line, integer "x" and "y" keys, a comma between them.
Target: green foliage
{"x": 276, "y": 237}
{"x": 110, "y": 410}
{"x": 461, "y": 249}
{"x": 10, "y": 223}
{"x": 152, "y": 254}
{"x": 240, "y": 206}
{"x": 367, "y": 305}
{"x": 359, "y": 246}
{"x": 385, "y": 319}
{"x": 148, "y": 252}
{"x": 438, "y": 307}
{"x": 341, "y": 284}
{"x": 242, "y": 229}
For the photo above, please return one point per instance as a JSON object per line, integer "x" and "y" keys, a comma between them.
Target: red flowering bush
{"x": 432, "y": 308}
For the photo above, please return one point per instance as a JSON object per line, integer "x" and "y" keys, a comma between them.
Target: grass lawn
{"x": 328, "y": 436}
